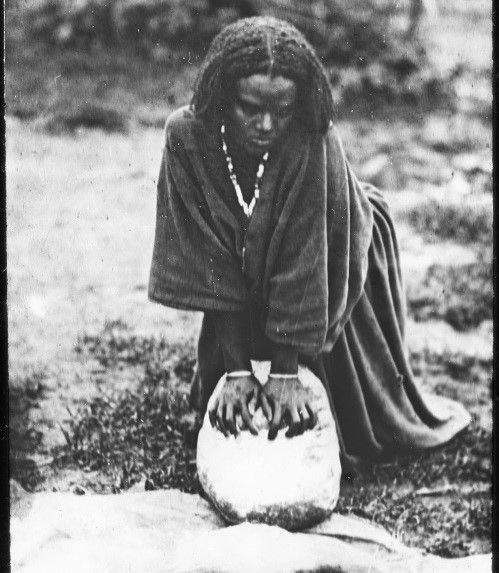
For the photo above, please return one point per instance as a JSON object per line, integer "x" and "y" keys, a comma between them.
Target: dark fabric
{"x": 378, "y": 407}
{"x": 321, "y": 272}
{"x": 311, "y": 216}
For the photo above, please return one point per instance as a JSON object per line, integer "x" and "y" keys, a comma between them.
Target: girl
{"x": 262, "y": 225}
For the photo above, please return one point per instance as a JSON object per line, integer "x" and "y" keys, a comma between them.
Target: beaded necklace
{"x": 248, "y": 209}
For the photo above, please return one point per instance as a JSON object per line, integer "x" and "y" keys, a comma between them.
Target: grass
{"x": 65, "y": 90}
{"x": 79, "y": 115}
{"x": 144, "y": 434}
{"x": 148, "y": 435}
{"x": 78, "y": 85}
{"x": 136, "y": 436}
{"x": 116, "y": 345}
{"x": 24, "y": 437}
{"x": 452, "y": 524}
{"x": 461, "y": 295}
{"x": 457, "y": 366}
{"x": 465, "y": 221}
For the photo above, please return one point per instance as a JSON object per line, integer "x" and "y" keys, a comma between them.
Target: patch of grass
{"x": 452, "y": 523}
{"x": 24, "y": 436}
{"x": 461, "y": 295}
{"x": 465, "y": 378}
{"x": 117, "y": 345}
{"x": 149, "y": 436}
{"x": 467, "y": 221}
{"x": 66, "y": 89}
{"x": 458, "y": 366}
{"x": 459, "y": 132}
{"x": 447, "y": 525}
{"x": 184, "y": 369}
{"x": 82, "y": 115}
{"x": 145, "y": 434}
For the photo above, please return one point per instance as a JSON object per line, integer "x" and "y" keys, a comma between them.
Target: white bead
{"x": 247, "y": 209}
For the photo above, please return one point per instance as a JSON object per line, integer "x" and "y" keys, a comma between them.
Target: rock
{"x": 290, "y": 482}
{"x": 473, "y": 163}
{"x": 384, "y": 171}
{"x": 425, "y": 164}
{"x": 373, "y": 167}
{"x": 458, "y": 186}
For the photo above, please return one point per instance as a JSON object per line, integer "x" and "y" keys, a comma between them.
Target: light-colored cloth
{"x": 173, "y": 532}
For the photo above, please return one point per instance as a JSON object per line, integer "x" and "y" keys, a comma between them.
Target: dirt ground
{"x": 80, "y": 212}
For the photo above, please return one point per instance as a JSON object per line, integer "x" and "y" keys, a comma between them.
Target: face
{"x": 262, "y": 111}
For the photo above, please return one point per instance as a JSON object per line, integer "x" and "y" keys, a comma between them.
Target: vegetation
{"x": 467, "y": 220}
{"x": 461, "y": 295}
{"x": 440, "y": 502}
{"x": 128, "y": 418}
{"x": 104, "y": 63}
{"x": 148, "y": 435}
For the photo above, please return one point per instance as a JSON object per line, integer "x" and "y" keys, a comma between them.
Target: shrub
{"x": 364, "y": 44}
{"x": 144, "y": 433}
{"x": 461, "y": 295}
{"x": 90, "y": 116}
{"x": 466, "y": 220}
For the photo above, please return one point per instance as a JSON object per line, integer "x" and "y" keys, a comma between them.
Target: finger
{"x": 267, "y": 410}
{"x": 252, "y": 395}
{"x": 220, "y": 418}
{"x": 230, "y": 422}
{"x": 276, "y": 420}
{"x": 295, "y": 424}
{"x": 246, "y": 416}
{"x": 212, "y": 414}
{"x": 305, "y": 418}
{"x": 313, "y": 417}
{"x": 252, "y": 399}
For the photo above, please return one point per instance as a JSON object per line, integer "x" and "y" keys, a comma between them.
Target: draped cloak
{"x": 316, "y": 267}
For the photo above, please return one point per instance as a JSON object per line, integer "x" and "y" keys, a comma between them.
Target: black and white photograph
{"x": 249, "y": 285}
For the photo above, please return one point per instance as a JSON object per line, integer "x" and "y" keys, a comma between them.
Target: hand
{"x": 232, "y": 400}
{"x": 285, "y": 399}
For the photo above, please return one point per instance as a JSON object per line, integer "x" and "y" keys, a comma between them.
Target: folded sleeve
{"x": 297, "y": 298}
{"x": 191, "y": 268}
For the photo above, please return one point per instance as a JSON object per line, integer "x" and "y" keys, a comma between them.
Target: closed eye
{"x": 285, "y": 111}
{"x": 249, "y": 108}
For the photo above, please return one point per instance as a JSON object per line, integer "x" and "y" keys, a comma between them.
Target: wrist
{"x": 284, "y": 360}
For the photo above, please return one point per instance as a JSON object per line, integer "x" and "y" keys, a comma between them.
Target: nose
{"x": 265, "y": 125}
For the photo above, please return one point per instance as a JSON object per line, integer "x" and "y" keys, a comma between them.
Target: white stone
{"x": 290, "y": 482}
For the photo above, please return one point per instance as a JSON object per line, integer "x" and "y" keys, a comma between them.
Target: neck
{"x": 244, "y": 161}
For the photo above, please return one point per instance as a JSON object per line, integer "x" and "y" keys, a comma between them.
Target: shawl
{"x": 303, "y": 255}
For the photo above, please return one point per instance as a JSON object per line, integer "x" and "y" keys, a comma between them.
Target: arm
{"x": 233, "y": 336}
{"x": 239, "y": 389}
{"x": 284, "y": 359}
{"x": 193, "y": 262}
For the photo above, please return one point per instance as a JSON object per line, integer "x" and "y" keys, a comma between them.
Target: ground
{"x": 99, "y": 375}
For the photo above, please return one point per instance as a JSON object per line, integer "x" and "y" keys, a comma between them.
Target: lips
{"x": 262, "y": 142}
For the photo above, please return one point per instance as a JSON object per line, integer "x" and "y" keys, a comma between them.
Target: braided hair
{"x": 263, "y": 45}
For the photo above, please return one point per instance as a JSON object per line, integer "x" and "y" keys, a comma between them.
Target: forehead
{"x": 262, "y": 87}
